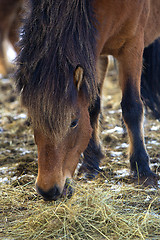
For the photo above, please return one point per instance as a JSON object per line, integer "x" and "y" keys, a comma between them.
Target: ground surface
{"x": 18, "y": 158}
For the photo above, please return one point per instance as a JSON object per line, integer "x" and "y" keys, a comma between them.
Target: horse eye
{"x": 74, "y": 123}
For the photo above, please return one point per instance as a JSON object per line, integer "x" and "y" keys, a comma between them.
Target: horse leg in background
{"x": 13, "y": 35}
{"x": 9, "y": 24}
{"x": 4, "y": 64}
{"x": 130, "y": 63}
{"x": 22, "y": 12}
{"x": 93, "y": 153}
{"x": 3, "y": 70}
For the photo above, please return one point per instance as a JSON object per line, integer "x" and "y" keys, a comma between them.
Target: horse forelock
{"x": 49, "y": 111}
{"x": 58, "y": 36}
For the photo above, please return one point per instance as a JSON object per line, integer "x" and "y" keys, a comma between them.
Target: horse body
{"x": 124, "y": 39}
{"x": 68, "y": 103}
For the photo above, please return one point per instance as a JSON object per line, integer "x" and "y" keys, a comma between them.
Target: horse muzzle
{"x": 51, "y": 195}
{"x": 54, "y": 193}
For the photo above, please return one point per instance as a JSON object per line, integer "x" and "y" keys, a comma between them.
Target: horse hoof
{"x": 92, "y": 175}
{"x": 88, "y": 172}
{"x": 68, "y": 188}
{"x": 147, "y": 180}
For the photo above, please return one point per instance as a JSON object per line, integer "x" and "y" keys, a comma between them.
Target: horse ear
{"x": 78, "y": 77}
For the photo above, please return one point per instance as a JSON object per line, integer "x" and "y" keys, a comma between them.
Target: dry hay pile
{"x": 96, "y": 211}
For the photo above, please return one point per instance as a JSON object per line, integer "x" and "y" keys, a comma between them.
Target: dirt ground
{"x": 18, "y": 153}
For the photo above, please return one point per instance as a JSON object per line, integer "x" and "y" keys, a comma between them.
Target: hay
{"x": 96, "y": 211}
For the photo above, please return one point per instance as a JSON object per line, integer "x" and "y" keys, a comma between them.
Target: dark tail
{"x": 150, "y": 81}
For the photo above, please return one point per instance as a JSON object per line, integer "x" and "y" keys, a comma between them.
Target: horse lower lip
{"x": 50, "y": 199}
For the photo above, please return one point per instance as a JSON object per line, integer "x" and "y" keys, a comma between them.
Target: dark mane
{"x": 58, "y": 36}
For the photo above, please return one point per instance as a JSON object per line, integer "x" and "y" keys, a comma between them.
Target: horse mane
{"x": 58, "y": 36}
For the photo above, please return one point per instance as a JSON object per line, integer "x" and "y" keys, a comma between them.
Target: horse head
{"x": 58, "y": 159}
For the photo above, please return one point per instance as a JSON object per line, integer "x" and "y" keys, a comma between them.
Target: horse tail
{"x": 150, "y": 79}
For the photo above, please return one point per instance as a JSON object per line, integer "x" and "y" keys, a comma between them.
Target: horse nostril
{"x": 52, "y": 194}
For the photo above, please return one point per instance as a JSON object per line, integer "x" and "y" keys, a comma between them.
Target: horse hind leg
{"x": 150, "y": 79}
{"x": 130, "y": 64}
{"x": 93, "y": 153}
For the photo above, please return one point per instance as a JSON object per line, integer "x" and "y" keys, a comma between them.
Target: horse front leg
{"x": 93, "y": 153}
{"x": 130, "y": 64}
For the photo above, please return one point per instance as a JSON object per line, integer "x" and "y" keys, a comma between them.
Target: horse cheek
{"x": 81, "y": 140}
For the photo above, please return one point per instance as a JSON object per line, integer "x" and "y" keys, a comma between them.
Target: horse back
{"x": 152, "y": 29}
{"x": 118, "y": 22}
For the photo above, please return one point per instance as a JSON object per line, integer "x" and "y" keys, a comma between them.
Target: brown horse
{"x": 64, "y": 45}
{"x": 10, "y": 21}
